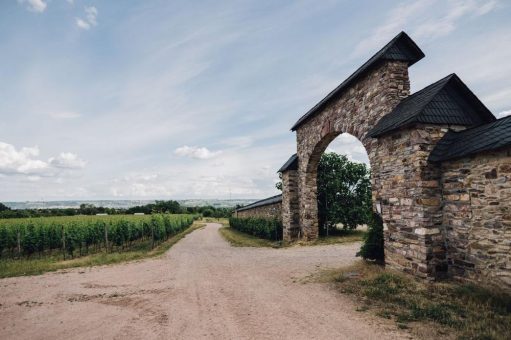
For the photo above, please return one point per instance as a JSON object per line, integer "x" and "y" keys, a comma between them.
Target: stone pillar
{"x": 407, "y": 188}
{"x": 290, "y": 212}
{"x": 309, "y": 223}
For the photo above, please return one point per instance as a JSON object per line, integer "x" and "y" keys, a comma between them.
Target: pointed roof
{"x": 402, "y": 48}
{"x": 448, "y": 101}
{"x": 291, "y": 164}
{"x": 491, "y": 136}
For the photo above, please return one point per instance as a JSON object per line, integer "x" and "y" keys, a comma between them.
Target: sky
{"x": 195, "y": 99}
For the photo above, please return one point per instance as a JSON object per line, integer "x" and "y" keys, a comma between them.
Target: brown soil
{"x": 201, "y": 288}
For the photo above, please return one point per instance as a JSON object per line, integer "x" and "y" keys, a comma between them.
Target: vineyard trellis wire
{"x": 74, "y": 236}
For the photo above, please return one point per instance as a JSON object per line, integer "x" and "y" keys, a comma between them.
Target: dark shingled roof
{"x": 291, "y": 164}
{"x": 486, "y": 137}
{"x": 266, "y": 201}
{"x": 448, "y": 101}
{"x": 402, "y": 48}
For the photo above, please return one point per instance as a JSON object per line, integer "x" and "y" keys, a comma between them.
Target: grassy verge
{"x": 222, "y": 221}
{"x": 238, "y": 239}
{"x": 440, "y": 309}
{"x": 341, "y": 236}
{"x": 141, "y": 250}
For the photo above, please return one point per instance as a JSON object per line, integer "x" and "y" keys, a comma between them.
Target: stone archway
{"x": 355, "y": 111}
{"x": 399, "y": 168}
{"x": 309, "y": 219}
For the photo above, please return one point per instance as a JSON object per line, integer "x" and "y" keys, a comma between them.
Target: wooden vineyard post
{"x": 152, "y": 236}
{"x": 19, "y": 242}
{"x": 64, "y": 241}
{"x": 106, "y": 237}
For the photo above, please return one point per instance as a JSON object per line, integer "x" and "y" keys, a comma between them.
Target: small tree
{"x": 373, "y": 249}
{"x": 344, "y": 192}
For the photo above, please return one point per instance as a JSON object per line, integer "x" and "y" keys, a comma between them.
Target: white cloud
{"x": 22, "y": 161}
{"x": 25, "y": 162}
{"x": 34, "y": 5}
{"x": 91, "y": 14}
{"x": 141, "y": 185}
{"x": 67, "y": 160}
{"x": 504, "y": 114}
{"x": 395, "y": 22}
{"x": 196, "y": 152}
{"x": 349, "y": 145}
{"x": 82, "y": 24}
{"x": 425, "y": 19}
{"x": 447, "y": 23}
{"x": 64, "y": 115}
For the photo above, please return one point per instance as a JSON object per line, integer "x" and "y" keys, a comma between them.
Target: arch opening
{"x": 338, "y": 180}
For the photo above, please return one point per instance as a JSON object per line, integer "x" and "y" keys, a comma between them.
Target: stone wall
{"x": 407, "y": 188}
{"x": 440, "y": 219}
{"x": 269, "y": 211}
{"x": 355, "y": 112}
{"x": 477, "y": 217}
{"x": 290, "y": 201}
{"x": 405, "y": 185}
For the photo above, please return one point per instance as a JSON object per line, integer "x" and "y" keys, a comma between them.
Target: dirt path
{"x": 201, "y": 288}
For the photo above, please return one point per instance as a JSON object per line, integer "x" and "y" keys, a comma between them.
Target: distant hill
{"x": 218, "y": 203}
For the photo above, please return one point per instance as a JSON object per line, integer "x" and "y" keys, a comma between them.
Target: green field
{"x": 75, "y": 236}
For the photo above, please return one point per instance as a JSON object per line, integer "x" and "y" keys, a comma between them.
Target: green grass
{"x": 465, "y": 311}
{"x": 223, "y": 221}
{"x": 340, "y": 236}
{"x": 238, "y": 239}
{"x": 140, "y": 250}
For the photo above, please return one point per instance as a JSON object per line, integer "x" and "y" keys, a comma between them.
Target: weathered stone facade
{"x": 477, "y": 217}
{"x": 440, "y": 217}
{"x": 269, "y": 211}
{"x": 404, "y": 184}
{"x": 355, "y": 112}
{"x": 290, "y": 210}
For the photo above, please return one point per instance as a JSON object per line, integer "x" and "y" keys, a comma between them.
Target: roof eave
{"x": 415, "y": 55}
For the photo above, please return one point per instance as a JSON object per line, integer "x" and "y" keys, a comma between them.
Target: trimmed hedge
{"x": 270, "y": 229}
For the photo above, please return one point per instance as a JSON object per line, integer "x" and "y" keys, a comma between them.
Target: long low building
{"x": 267, "y": 208}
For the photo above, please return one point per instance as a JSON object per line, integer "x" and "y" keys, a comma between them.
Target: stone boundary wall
{"x": 269, "y": 211}
{"x": 477, "y": 217}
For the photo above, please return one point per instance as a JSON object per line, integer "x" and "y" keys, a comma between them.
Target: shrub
{"x": 270, "y": 229}
{"x": 372, "y": 249}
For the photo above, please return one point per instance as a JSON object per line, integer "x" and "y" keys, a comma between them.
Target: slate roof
{"x": 291, "y": 164}
{"x": 482, "y": 138}
{"x": 448, "y": 101}
{"x": 402, "y": 48}
{"x": 266, "y": 201}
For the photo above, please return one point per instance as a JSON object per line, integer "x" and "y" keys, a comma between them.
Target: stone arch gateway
{"x": 402, "y": 134}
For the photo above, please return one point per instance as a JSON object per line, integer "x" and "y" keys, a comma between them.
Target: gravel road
{"x": 201, "y": 288}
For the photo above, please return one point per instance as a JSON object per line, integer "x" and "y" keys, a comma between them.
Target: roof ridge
{"x": 497, "y": 121}
{"x": 443, "y": 82}
{"x": 426, "y": 106}
{"x": 412, "y": 54}
{"x": 258, "y": 203}
{"x": 445, "y": 79}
